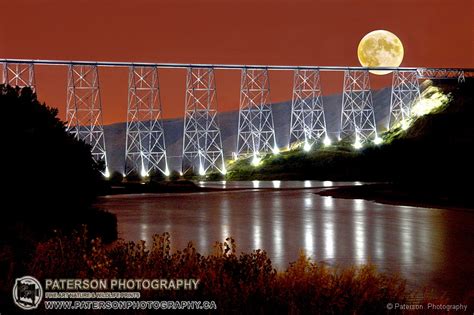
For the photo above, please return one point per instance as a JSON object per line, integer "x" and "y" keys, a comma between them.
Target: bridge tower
{"x": 308, "y": 123}
{"x": 357, "y": 117}
{"x": 84, "y": 109}
{"x": 145, "y": 149}
{"x": 256, "y": 133}
{"x": 19, "y": 74}
{"x": 405, "y": 91}
{"x": 202, "y": 143}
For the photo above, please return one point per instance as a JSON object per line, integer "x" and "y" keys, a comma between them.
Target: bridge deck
{"x": 467, "y": 71}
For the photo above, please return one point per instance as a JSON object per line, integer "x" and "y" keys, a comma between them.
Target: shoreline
{"x": 395, "y": 195}
{"x": 384, "y": 193}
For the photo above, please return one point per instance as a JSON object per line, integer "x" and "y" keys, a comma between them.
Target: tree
{"x": 49, "y": 176}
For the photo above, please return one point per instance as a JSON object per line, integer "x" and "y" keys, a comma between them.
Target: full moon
{"x": 380, "y": 49}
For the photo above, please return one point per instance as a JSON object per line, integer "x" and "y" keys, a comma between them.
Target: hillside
{"x": 432, "y": 156}
{"x": 228, "y": 123}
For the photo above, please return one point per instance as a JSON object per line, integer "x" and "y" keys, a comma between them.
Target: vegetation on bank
{"x": 245, "y": 283}
{"x": 432, "y": 153}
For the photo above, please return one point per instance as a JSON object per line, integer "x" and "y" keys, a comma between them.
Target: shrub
{"x": 175, "y": 175}
{"x": 245, "y": 283}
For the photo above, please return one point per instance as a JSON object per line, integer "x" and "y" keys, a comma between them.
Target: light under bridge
{"x": 145, "y": 149}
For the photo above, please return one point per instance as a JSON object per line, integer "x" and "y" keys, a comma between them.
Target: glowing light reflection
{"x": 144, "y": 232}
{"x": 379, "y": 238}
{"x": 327, "y": 183}
{"x": 257, "y": 235}
{"x": 359, "y": 231}
{"x": 328, "y": 203}
{"x": 359, "y": 205}
{"x": 308, "y": 201}
{"x": 329, "y": 231}
{"x": 308, "y": 226}
{"x": 278, "y": 240}
{"x": 308, "y": 239}
{"x": 406, "y": 231}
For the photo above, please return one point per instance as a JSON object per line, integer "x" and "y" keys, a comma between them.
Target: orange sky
{"x": 436, "y": 33}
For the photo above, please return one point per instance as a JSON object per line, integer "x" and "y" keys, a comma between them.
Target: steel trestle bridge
{"x": 145, "y": 149}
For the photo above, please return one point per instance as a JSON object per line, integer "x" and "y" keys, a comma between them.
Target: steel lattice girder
{"x": 19, "y": 74}
{"x": 145, "y": 149}
{"x": 357, "y": 117}
{"x": 442, "y": 73}
{"x": 308, "y": 122}
{"x": 84, "y": 110}
{"x": 405, "y": 91}
{"x": 202, "y": 143}
{"x": 256, "y": 133}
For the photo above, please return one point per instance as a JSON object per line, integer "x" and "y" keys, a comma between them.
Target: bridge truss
{"x": 256, "y": 133}
{"x": 84, "y": 109}
{"x": 145, "y": 150}
{"x": 202, "y": 143}
{"x": 308, "y": 123}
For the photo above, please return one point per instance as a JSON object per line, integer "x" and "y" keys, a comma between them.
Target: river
{"x": 429, "y": 247}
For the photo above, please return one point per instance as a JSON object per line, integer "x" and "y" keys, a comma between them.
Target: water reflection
{"x": 417, "y": 242}
{"x": 328, "y": 203}
{"x": 329, "y": 239}
{"x": 277, "y": 229}
{"x": 270, "y": 184}
{"x": 308, "y": 238}
{"x": 225, "y": 219}
{"x": 257, "y": 223}
{"x": 359, "y": 219}
{"x": 406, "y": 231}
{"x": 379, "y": 235}
{"x": 144, "y": 234}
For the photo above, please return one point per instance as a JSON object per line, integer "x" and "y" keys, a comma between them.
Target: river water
{"x": 429, "y": 247}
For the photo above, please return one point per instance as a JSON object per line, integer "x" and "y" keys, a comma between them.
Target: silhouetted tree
{"x": 50, "y": 177}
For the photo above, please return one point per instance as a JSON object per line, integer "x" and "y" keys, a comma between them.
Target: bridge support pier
{"x": 357, "y": 116}
{"x": 256, "y": 133}
{"x": 405, "y": 91}
{"x": 19, "y": 74}
{"x": 145, "y": 150}
{"x": 202, "y": 143}
{"x": 308, "y": 123}
{"x": 84, "y": 109}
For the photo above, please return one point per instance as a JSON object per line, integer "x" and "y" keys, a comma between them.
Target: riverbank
{"x": 180, "y": 186}
{"x": 399, "y": 195}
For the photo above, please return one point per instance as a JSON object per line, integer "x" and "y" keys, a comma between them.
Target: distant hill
{"x": 228, "y": 123}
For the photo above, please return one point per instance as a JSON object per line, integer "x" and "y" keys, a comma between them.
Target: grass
{"x": 245, "y": 283}
{"x": 329, "y": 163}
